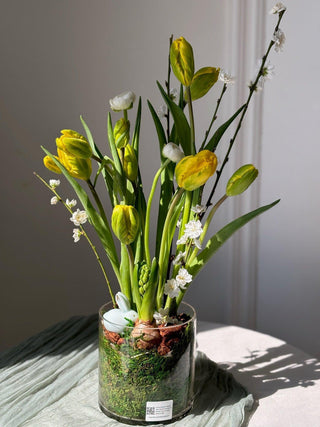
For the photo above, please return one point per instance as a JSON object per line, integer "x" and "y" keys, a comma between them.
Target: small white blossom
{"x": 160, "y": 316}
{"x": 198, "y": 209}
{"x": 226, "y": 77}
{"x": 172, "y": 152}
{"x": 54, "y": 183}
{"x": 183, "y": 240}
{"x": 54, "y": 200}
{"x": 277, "y": 8}
{"x": 279, "y": 39}
{"x": 173, "y": 93}
{"x": 71, "y": 203}
{"x": 178, "y": 259}
{"x": 197, "y": 243}
{"x": 76, "y": 234}
{"x": 123, "y": 101}
{"x": 179, "y": 223}
{"x": 183, "y": 277}
{"x": 79, "y": 217}
{"x": 162, "y": 111}
{"x": 171, "y": 288}
{"x": 267, "y": 74}
{"x": 193, "y": 229}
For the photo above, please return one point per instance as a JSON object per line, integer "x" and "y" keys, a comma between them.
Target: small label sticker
{"x": 159, "y": 411}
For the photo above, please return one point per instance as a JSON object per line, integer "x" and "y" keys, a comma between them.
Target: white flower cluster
{"x": 54, "y": 183}
{"x": 173, "y": 287}
{"x": 192, "y": 231}
{"x": 277, "y": 8}
{"x": 279, "y": 40}
{"x": 267, "y": 74}
{"x": 226, "y": 78}
{"x": 78, "y": 218}
{"x": 162, "y": 316}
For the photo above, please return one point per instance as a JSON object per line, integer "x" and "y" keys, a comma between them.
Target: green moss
{"x": 130, "y": 377}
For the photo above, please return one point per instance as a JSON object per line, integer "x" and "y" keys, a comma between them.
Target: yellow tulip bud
{"x": 203, "y": 81}
{"x": 241, "y": 180}
{"x": 125, "y": 223}
{"x": 193, "y": 171}
{"x": 50, "y": 164}
{"x": 181, "y": 59}
{"x": 130, "y": 163}
{"x": 73, "y": 143}
{"x": 78, "y": 168}
{"x": 121, "y": 132}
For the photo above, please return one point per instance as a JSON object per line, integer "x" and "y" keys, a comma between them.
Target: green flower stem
{"x": 133, "y": 279}
{"x": 191, "y": 118}
{"x": 252, "y": 89}
{"x": 205, "y": 228}
{"x": 85, "y": 235}
{"x": 214, "y": 118}
{"x": 168, "y": 89}
{"x": 163, "y": 252}
{"x": 147, "y": 221}
{"x": 185, "y": 217}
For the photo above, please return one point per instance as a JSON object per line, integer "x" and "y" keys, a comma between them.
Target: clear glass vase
{"x": 147, "y": 376}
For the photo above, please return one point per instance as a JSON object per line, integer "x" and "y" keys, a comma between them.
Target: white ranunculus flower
{"x": 123, "y": 101}
{"x": 172, "y": 152}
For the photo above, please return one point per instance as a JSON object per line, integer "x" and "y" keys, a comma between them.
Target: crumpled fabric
{"x": 51, "y": 380}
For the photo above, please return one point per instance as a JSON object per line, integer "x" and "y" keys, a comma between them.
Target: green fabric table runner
{"x": 51, "y": 379}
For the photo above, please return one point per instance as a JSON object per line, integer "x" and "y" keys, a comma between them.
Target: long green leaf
{"x": 214, "y": 141}
{"x": 136, "y": 133}
{"x": 180, "y": 120}
{"x": 221, "y": 236}
{"x": 102, "y": 227}
{"x": 166, "y": 179}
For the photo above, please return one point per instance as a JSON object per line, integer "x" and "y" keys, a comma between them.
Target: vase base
{"x": 136, "y": 421}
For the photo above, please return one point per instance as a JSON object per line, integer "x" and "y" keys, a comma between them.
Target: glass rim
{"x": 190, "y": 308}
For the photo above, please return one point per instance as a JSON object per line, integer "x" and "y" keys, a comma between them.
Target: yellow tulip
{"x": 194, "y": 171}
{"x": 121, "y": 132}
{"x": 241, "y": 180}
{"x": 49, "y": 164}
{"x": 182, "y": 62}
{"x": 78, "y": 168}
{"x": 73, "y": 143}
{"x": 130, "y": 163}
{"x": 125, "y": 223}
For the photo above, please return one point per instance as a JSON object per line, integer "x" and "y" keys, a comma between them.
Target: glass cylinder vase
{"x": 146, "y": 374}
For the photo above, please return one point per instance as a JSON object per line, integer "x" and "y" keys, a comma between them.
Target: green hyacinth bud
{"x": 241, "y": 180}
{"x": 121, "y": 132}
{"x": 73, "y": 143}
{"x": 203, "y": 81}
{"x": 125, "y": 223}
{"x": 182, "y": 62}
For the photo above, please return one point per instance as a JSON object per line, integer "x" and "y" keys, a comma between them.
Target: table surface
{"x": 284, "y": 380}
